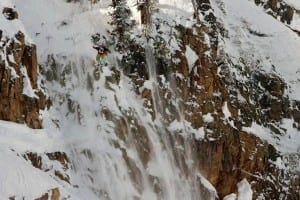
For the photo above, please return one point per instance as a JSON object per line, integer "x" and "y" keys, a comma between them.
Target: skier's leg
{"x": 98, "y": 59}
{"x": 103, "y": 60}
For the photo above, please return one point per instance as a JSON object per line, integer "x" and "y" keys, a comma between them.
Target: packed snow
{"x": 244, "y": 190}
{"x": 20, "y": 178}
{"x": 192, "y": 57}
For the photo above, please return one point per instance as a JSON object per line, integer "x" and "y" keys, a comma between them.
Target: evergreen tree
{"x": 122, "y": 25}
{"x": 133, "y": 57}
{"x": 95, "y": 38}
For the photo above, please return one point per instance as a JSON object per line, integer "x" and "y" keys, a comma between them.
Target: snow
{"x": 21, "y": 138}
{"x": 293, "y": 3}
{"x": 289, "y": 142}
{"x": 191, "y": 56}
{"x": 147, "y": 85}
{"x": 21, "y": 178}
{"x": 226, "y": 111}
{"x": 184, "y": 128}
{"x": 63, "y": 28}
{"x": 278, "y": 48}
{"x": 208, "y": 118}
{"x": 177, "y": 10}
{"x": 208, "y": 185}
{"x": 244, "y": 190}
{"x": 231, "y": 196}
{"x": 13, "y": 73}
{"x": 10, "y": 27}
{"x": 27, "y": 88}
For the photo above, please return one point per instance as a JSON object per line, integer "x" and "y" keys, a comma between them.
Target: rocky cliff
{"x": 211, "y": 86}
{"x": 21, "y": 99}
{"x": 190, "y": 106}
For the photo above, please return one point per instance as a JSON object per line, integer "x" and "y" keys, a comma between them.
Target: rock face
{"x": 211, "y": 97}
{"x": 41, "y": 161}
{"x": 278, "y": 9}
{"x": 10, "y": 13}
{"x": 228, "y": 154}
{"x": 53, "y": 194}
{"x": 20, "y": 97}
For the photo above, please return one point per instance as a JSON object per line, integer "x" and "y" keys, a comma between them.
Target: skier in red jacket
{"x": 102, "y": 54}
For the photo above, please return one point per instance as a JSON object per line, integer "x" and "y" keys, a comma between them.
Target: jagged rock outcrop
{"x": 20, "y": 96}
{"x": 53, "y": 194}
{"x": 41, "y": 161}
{"x": 10, "y": 13}
{"x": 278, "y": 9}
{"x": 228, "y": 154}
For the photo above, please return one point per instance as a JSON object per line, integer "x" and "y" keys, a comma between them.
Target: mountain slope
{"x": 201, "y": 102}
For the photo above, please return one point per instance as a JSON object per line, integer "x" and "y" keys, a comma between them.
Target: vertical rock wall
{"x": 20, "y": 97}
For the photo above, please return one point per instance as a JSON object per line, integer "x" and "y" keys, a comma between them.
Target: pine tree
{"x": 95, "y": 38}
{"x": 122, "y": 25}
{"x": 133, "y": 57}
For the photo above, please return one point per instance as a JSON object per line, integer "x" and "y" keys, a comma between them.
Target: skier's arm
{"x": 95, "y": 47}
{"x": 106, "y": 49}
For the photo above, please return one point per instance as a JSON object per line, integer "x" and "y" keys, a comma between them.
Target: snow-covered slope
{"x": 294, "y": 3}
{"x": 19, "y": 178}
{"x": 63, "y": 28}
{"x": 76, "y": 124}
{"x": 10, "y": 28}
{"x": 112, "y": 142}
{"x": 264, "y": 42}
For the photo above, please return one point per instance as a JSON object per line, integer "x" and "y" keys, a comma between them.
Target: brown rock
{"x": 60, "y": 157}
{"x": 280, "y": 10}
{"x": 36, "y": 160}
{"x": 61, "y": 176}
{"x": 55, "y": 194}
{"x": 29, "y": 59}
{"x": 273, "y": 5}
{"x": 296, "y": 115}
{"x": 234, "y": 156}
{"x": 276, "y": 110}
{"x": 14, "y": 105}
{"x": 10, "y": 13}
{"x": 43, "y": 197}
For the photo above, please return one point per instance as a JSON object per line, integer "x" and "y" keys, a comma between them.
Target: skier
{"x": 102, "y": 54}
